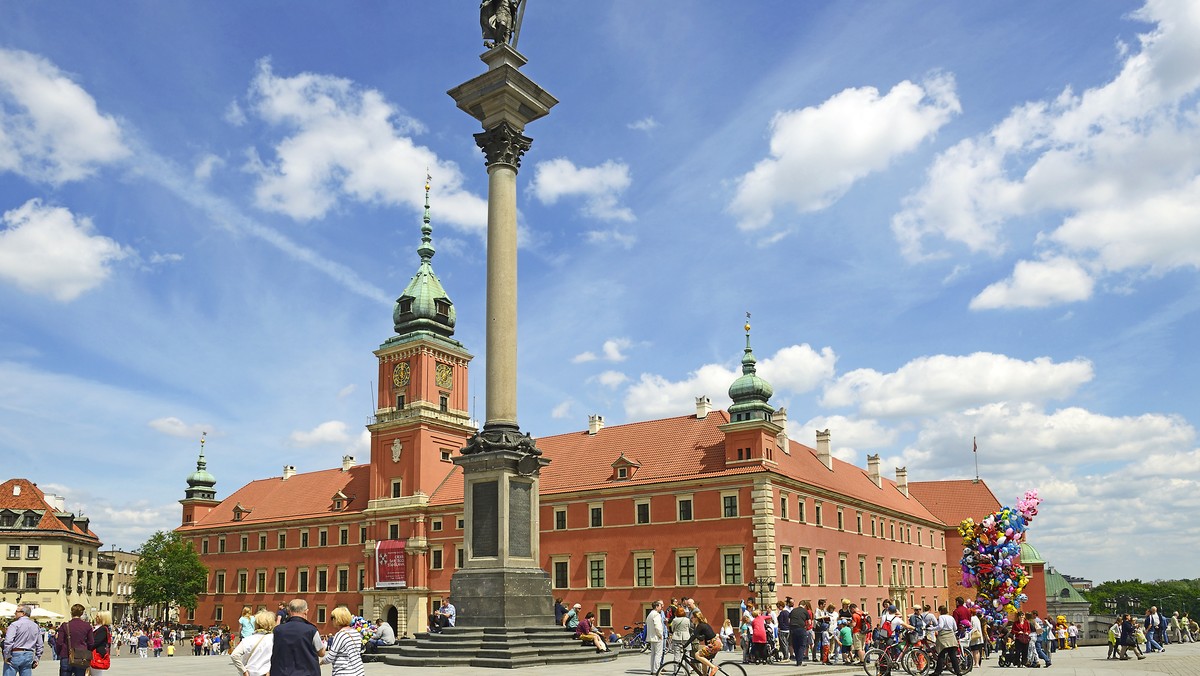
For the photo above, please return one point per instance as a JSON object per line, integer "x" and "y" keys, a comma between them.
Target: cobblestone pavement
{"x": 1179, "y": 660}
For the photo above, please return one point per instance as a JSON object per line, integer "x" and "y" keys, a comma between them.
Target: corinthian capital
{"x": 503, "y": 144}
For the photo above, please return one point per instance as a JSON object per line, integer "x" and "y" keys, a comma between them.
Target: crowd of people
{"x": 1154, "y": 631}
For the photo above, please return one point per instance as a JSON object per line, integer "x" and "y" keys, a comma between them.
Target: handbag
{"x": 103, "y": 660}
{"x": 77, "y": 658}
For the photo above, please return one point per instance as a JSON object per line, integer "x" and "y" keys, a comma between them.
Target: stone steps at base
{"x": 487, "y": 647}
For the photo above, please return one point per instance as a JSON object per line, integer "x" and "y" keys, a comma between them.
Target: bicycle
{"x": 688, "y": 665}
{"x": 636, "y": 639}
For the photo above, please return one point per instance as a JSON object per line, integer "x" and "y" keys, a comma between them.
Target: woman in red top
{"x": 1020, "y": 632}
{"x": 758, "y": 636}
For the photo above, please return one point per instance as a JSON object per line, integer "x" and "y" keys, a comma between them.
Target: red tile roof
{"x": 301, "y": 495}
{"x": 686, "y": 447}
{"x": 22, "y": 494}
{"x": 952, "y": 501}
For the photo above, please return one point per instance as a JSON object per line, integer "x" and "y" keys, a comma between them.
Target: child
{"x": 845, "y": 640}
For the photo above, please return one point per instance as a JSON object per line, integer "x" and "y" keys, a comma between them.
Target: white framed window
{"x": 731, "y": 566}
{"x": 685, "y": 568}
{"x": 683, "y": 508}
{"x": 560, "y": 569}
{"x": 596, "y": 571}
{"x": 783, "y": 505}
{"x": 560, "y": 518}
{"x": 641, "y": 511}
{"x": 729, "y": 504}
{"x": 596, "y": 515}
{"x": 643, "y": 569}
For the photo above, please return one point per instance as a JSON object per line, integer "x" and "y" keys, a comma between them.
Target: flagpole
{"x": 975, "y": 450}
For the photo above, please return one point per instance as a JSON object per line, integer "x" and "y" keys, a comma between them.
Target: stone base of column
{"x": 502, "y": 597}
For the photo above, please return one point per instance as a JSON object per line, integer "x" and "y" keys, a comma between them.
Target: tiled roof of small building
{"x": 300, "y": 495}
{"x": 955, "y": 500}
{"x": 22, "y": 494}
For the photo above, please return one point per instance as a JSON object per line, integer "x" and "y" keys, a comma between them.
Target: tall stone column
{"x": 501, "y": 583}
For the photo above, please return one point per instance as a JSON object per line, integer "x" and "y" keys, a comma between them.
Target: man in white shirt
{"x": 655, "y": 628}
{"x": 947, "y": 646}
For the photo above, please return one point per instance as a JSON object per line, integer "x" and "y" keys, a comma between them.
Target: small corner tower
{"x": 423, "y": 404}
{"x": 750, "y": 434}
{"x": 200, "y": 496}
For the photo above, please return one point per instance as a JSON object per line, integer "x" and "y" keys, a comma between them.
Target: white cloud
{"x": 621, "y": 239}
{"x": 611, "y": 379}
{"x": 347, "y": 142}
{"x": 930, "y": 385}
{"x": 653, "y": 396}
{"x": 817, "y": 153}
{"x": 234, "y": 114}
{"x": 1120, "y": 161}
{"x": 795, "y": 368}
{"x": 346, "y": 391}
{"x": 600, "y": 186}
{"x": 172, "y": 426}
{"x": 157, "y": 258}
{"x": 848, "y": 436}
{"x": 205, "y": 166}
{"x": 563, "y": 410}
{"x": 1037, "y": 284}
{"x": 50, "y": 128}
{"x": 49, "y": 251}
{"x": 612, "y": 350}
{"x": 644, "y": 124}
{"x": 798, "y": 368}
{"x": 1011, "y": 436}
{"x": 328, "y": 433}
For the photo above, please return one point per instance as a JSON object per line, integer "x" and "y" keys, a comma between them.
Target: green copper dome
{"x": 424, "y": 304}
{"x": 200, "y": 483}
{"x": 750, "y": 393}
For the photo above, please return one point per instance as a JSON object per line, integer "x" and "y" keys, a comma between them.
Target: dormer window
{"x": 240, "y": 512}
{"x": 405, "y": 305}
{"x": 624, "y": 468}
{"x": 8, "y": 520}
{"x": 340, "y": 501}
{"x": 441, "y": 307}
{"x": 31, "y": 520}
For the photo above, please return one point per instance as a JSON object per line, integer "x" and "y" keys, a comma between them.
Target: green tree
{"x": 1135, "y": 596}
{"x": 169, "y": 573}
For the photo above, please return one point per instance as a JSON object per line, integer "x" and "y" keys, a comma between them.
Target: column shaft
{"x": 502, "y": 294}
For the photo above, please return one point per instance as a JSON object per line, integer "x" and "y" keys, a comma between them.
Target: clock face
{"x": 400, "y": 374}
{"x": 445, "y": 376}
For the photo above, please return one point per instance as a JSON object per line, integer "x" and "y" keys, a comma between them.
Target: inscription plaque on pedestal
{"x": 518, "y": 519}
{"x": 485, "y": 525}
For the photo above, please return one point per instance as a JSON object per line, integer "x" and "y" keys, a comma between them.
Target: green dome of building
{"x": 200, "y": 483}
{"x": 424, "y": 305}
{"x": 750, "y": 393}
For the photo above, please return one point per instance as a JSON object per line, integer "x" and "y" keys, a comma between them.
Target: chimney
{"x": 902, "y": 480}
{"x": 703, "y": 407}
{"x": 823, "y": 449}
{"x": 58, "y": 502}
{"x": 595, "y": 423}
{"x": 781, "y": 439}
{"x": 288, "y": 471}
{"x": 347, "y": 462}
{"x": 873, "y": 470}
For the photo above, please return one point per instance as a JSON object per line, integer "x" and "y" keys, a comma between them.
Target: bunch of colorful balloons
{"x": 362, "y": 626}
{"x": 990, "y": 552}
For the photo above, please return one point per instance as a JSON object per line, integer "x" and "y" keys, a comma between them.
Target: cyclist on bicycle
{"x": 706, "y": 640}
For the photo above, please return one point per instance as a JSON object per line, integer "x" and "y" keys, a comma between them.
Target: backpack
{"x": 864, "y": 626}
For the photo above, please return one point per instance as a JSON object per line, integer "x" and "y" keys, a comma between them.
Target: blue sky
{"x": 949, "y": 221}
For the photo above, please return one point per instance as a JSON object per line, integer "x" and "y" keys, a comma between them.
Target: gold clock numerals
{"x": 445, "y": 376}
{"x": 400, "y": 374}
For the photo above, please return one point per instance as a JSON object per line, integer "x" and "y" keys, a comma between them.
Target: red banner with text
{"x": 390, "y": 570}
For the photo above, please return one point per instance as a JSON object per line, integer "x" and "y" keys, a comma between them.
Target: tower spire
{"x": 750, "y": 393}
{"x": 426, "y": 250}
{"x": 424, "y": 305}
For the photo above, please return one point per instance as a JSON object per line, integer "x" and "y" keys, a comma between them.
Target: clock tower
{"x": 422, "y": 417}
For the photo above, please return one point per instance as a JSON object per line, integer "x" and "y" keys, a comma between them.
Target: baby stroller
{"x": 1014, "y": 654}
